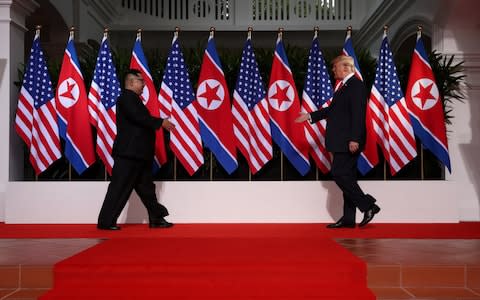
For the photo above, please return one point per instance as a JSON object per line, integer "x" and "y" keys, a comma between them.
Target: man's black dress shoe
{"x": 341, "y": 224}
{"x": 113, "y": 227}
{"x": 369, "y": 214}
{"x": 162, "y": 223}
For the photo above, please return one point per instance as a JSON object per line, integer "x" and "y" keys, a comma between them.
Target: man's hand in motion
{"x": 168, "y": 125}
{"x": 302, "y": 117}
{"x": 353, "y": 147}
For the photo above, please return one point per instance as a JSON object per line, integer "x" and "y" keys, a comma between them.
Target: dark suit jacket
{"x": 345, "y": 116}
{"x": 135, "y": 128}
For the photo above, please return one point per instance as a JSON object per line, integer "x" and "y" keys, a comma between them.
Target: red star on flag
{"x": 281, "y": 95}
{"x": 210, "y": 94}
{"x": 425, "y": 94}
{"x": 68, "y": 92}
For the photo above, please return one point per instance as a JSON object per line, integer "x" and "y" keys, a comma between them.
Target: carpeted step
{"x": 335, "y": 293}
{"x": 213, "y": 268}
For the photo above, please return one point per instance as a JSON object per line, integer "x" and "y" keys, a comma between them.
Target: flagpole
{"x": 422, "y": 170}
{"x": 212, "y": 32}
{"x": 72, "y": 33}
{"x": 37, "y": 34}
{"x": 175, "y": 37}
{"x": 70, "y": 37}
{"x": 211, "y": 166}
{"x": 279, "y": 37}
{"x": 176, "y": 32}
{"x": 249, "y": 37}
{"x": 139, "y": 33}
{"x": 385, "y": 30}
{"x": 37, "y": 30}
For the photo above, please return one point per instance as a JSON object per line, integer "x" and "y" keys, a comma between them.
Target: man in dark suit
{"x": 345, "y": 139}
{"x": 133, "y": 152}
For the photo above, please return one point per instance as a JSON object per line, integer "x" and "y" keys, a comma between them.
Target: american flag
{"x": 251, "y": 123}
{"x": 72, "y": 108}
{"x": 150, "y": 99}
{"x": 425, "y": 105}
{"x": 104, "y": 91}
{"x": 214, "y": 109}
{"x": 284, "y": 108}
{"x": 36, "y": 117}
{"x": 176, "y": 97}
{"x": 391, "y": 122}
{"x": 317, "y": 93}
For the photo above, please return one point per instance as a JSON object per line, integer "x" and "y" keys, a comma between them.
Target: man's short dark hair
{"x": 135, "y": 72}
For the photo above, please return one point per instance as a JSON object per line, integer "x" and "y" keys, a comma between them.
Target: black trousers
{"x": 344, "y": 173}
{"x": 127, "y": 175}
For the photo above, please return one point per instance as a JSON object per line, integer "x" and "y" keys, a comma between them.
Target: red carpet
{"x": 221, "y": 261}
{"x": 212, "y": 268}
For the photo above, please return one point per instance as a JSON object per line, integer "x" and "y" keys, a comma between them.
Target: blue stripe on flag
{"x": 431, "y": 143}
{"x": 293, "y": 156}
{"x": 211, "y": 50}
{"x": 222, "y": 155}
{"x": 74, "y": 157}
{"x": 364, "y": 166}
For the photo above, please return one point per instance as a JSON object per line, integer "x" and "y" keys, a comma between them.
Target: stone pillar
{"x": 12, "y": 31}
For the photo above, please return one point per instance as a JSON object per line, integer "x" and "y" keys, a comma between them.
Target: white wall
{"x": 456, "y": 199}
{"x": 224, "y": 202}
{"x": 12, "y": 20}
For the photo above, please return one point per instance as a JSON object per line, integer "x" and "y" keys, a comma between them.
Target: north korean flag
{"x": 72, "y": 109}
{"x": 425, "y": 105}
{"x": 284, "y": 108}
{"x": 214, "y": 109}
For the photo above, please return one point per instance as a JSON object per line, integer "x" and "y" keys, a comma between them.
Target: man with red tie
{"x": 345, "y": 139}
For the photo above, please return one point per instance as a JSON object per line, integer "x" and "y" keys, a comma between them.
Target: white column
{"x": 12, "y": 31}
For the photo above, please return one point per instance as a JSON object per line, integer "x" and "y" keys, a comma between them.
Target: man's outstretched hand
{"x": 168, "y": 125}
{"x": 302, "y": 117}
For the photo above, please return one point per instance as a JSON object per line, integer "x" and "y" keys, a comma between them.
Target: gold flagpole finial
{"x": 37, "y": 30}
{"x": 139, "y": 33}
{"x": 212, "y": 32}
{"x": 280, "y": 32}
{"x": 72, "y": 32}
{"x": 419, "y": 31}
{"x": 249, "y": 32}
{"x": 349, "y": 31}
{"x": 316, "y": 29}
{"x": 385, "y": 29}
{"x": 105, "y": 32}
{"x": 176, "y": 32}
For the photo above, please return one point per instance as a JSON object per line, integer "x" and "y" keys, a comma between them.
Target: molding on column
{"x": 472, "y": 68}
{"x": 386, "y": 13}
{"x": 102, "y": 11}
{"x": 409, "y": 28}
{"x": 18, "y": 10}
{"x": 437, "y": 38}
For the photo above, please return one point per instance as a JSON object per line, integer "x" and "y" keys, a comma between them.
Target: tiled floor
{"x": 26, "y": 264}
{"x": 420, "y": 268}
{"x": 397, "y": 268}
